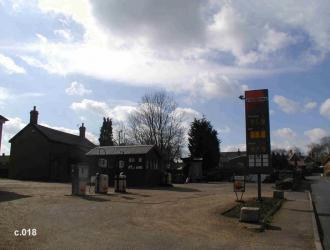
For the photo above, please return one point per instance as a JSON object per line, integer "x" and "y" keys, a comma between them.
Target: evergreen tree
{"x": 204, "y": 142}
{"x": 106, "y": 136}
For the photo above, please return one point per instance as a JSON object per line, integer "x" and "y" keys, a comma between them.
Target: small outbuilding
{"x": 142, "y": 164}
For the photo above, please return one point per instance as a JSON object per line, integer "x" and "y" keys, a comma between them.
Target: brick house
{"x": 41, "y": 153}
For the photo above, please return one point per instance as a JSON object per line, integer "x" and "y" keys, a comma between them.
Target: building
{"x": 194, "y": 168}
{"x": 2, "y": 121}
{"x": 142, "y": 164}
{"x": 296, "y": 161}
{"x": 4, "y": 163}
{"x": 227, "y": 158}
{"x": 41, "y": 153}
{"x": 326, "y": 165}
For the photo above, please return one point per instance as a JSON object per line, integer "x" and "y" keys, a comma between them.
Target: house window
{"x": 140, "y": 159}
{"x": 156, "y": 164}
{"x": 147, "y": 164}
{"x": 139, "y": 167}
{"x": 131, "y": 159}
{"x": 121, "y": 164}
{"x": 131, "y": 167}
{"x": 102, "y": 163}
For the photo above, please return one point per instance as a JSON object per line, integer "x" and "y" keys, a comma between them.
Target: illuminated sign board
{"x": 257, "y": 131}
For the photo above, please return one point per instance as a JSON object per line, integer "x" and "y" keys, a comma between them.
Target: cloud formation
{"x": 325, "y": 108}
{"x": 146, "y": 42}
{"x": 315, "y": 134}
{"x": 290, "y": 106}
{"x": 77, "y": 88}
{"x": 9, "y": 66}
{"x": 286, "y": 105}
{"x": 285, "y": 133}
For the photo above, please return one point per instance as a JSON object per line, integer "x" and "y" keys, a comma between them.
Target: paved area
{"x": 320, "y": 192}
{"x": 187, "y": 216}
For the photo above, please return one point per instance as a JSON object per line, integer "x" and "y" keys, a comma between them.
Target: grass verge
{"x": 268, "y": 207}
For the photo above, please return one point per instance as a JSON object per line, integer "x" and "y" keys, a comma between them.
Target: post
{"x": 259, "y": 187}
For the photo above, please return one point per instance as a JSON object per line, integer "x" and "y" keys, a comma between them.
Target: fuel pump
{"x": 79, "y": 178}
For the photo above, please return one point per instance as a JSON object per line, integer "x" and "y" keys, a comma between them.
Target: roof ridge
{"x": 137, "y": 145}
{"x": 38, "y": 125}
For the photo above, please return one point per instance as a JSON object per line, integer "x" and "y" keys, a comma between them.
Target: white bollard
{"x": 249, "y": 214}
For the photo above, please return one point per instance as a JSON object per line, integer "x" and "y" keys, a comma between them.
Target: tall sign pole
{"x": 257, "y": 134}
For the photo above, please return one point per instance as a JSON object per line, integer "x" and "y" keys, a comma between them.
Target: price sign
{"x": 257, "y": 131}
{"x": 239, "y": 183}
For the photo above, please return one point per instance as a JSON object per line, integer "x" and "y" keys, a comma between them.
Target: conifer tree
{"x": 204, "y": 142}
{"x": 106, "y": 136}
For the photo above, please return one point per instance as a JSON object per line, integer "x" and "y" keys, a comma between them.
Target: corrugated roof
{"x": 59, "y": 136}
{"x": 119, "y": 150}
{"x": 226, "y": 156}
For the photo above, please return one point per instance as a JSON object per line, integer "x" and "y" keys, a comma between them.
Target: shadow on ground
{"x": 173, "y": 189}
{"x": 272, "y": 227}
{"x": 9, "y": 196}
{"x": 93, "y": 198}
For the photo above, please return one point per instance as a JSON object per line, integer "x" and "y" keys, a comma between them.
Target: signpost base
{"x": 259, "y": 188}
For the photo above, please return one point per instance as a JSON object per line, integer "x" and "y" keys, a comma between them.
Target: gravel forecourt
{"x": 187, "y": 216}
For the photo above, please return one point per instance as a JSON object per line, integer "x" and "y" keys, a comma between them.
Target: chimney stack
{"x": 34, "y": 116}
{"x": 82, "y": 131}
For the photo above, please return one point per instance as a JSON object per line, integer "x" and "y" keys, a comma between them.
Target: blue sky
{"x": 78, "y": 61}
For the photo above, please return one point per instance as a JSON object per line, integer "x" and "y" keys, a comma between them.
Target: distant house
{"x": 229, "y": 159}
{"x": 41, "y": 153}
{"x": 142, "y": 164}
{"x": 326, "y": 165}
{"x": 296, "y": 161}
{"x": 194, "y": 168}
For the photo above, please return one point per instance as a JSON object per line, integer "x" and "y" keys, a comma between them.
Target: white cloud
{"x": 95, "y": 107}
{"x": 118, "y": 113}
{"x": 65, "y": 34}
{"x": 141, "y": 46}
{"x": 187, "y": 115}
{"x": 214, "y": 85}
{"x": 9, "y": 66}
{"x": 316, "y": 134}
{"x": 4, "y": 94}
{"x": 77, "y": 88}
{"x": 310, "y": 105}
{"x": 285, "y": 133}
{"x": 10, "y": 128}
{"x": 325, "y": 108}
{"x": 286, "y": 105}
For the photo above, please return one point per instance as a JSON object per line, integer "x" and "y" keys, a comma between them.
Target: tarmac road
{"x": 321, "y": 197}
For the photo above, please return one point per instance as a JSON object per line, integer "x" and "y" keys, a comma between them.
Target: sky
{"x": 81, "y": 60}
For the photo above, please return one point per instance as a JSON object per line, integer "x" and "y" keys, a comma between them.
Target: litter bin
{"x": 120, "y": 183}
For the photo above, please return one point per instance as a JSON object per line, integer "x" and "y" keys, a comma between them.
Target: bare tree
{"x": 320, "y": 151}
{"x": 156, "y": 122}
